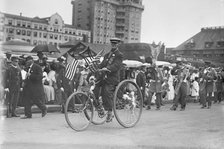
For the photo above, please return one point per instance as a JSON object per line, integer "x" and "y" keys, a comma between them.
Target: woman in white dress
{"x": 170, "y": 93}
{"x": 195, "y": 89}
{"x": 52, "y": 81}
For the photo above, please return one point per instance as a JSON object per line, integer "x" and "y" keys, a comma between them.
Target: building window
{"x": 11, "y": 30}
{"x": 220, "y": 44}
{"x": 24, "y": 24}
{"x": 45, "y": 27}
{"x": 208, "y": 44}
{"x": 28, "y": 25}
{"x": 18, "y": 32}
{"x": 18, "y": 23}
{"x": 34, "y": 34}
{"x": 35, "y": 26}
{"x": 66, "y": 38}
{"x": 28, "y": 33}
{"x": 56, "y": 37}
{"x": 40, "y": 27}
{"x": 23, "y": 32}
{"x": 51, "y": 36}
{"x": 10, "y": 22}
{"x": 40, "y": 34}
{"x": 66, "y": 31}
{"x": 45, "y": 35}
{"x": 56, "y": 21}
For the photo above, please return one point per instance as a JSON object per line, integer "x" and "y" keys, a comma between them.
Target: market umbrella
{"x": 132, "y": 63}
{"x": 163, "y": 63}
{"x": 45, "y": 48}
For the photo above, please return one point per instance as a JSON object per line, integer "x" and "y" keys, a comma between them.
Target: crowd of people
{"x": 27, "y": 81}
{"x": 178, "y": 84}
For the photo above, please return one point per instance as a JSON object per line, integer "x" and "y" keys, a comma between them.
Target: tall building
{"x": 49, "y": 30}
{"x": 207, "y": 45}
{"x": 109, "y": 18}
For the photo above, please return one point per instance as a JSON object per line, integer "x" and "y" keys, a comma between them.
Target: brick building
{"x": 109, "y": 18}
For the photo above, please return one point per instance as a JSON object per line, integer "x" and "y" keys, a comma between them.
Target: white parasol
{"x": 132, "y": 63}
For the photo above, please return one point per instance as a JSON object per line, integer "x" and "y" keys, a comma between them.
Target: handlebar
{"x": 104, "y": 70}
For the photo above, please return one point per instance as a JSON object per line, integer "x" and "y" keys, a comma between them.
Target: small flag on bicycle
{"x": 93, "y": 66}
{"x": 71, "y": 67}
{"x": 99, "y": 55}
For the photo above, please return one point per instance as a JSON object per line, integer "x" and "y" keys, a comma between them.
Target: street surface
{"x": 193, "y": 128}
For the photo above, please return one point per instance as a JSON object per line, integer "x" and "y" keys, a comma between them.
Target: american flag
{"x": 93, "y": 65}
{"x": 71, "y": 67}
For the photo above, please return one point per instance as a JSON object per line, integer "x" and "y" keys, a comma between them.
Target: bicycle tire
{"x": 132, "y": 107}
{"x": 76, "y": 105}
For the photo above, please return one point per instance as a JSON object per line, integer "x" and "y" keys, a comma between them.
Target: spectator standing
{"x": 13, "y": 85}
{"x": 202, "y": 89}
{"x": 155, "y": 87}
{"x": 210, "y": 77}
{"x": 219, "y": 88}
{"x": 170, "y": 93}
{"x": 33, "y": 89}
{"x": 195, "y": 89}
{"x": 181, "y": 90}
{"x": 141, "y": 80}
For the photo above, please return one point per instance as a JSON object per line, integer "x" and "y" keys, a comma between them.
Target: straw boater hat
{"x": 115, "y": 40}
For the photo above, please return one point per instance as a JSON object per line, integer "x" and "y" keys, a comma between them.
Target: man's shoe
{"x": 203, "y": 107}
{"x": 26, "y": 117}
{"x": 44, "y": 113}
{"x": 15, "y": 115}
{"x": 100, "y": 111}
{"x": 109, "y": 117}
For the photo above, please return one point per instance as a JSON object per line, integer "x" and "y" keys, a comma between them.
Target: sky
{"x": 170, "y": 21}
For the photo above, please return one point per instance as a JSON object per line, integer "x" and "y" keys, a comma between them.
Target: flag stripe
{"x": 71, "y": 69}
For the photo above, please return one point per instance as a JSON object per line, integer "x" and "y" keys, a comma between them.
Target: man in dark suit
{"x": 13, "y": 85}
{"x": 33, "y": 88}
{"x": 111, "y": 65}
{"x": 141, "y": 80}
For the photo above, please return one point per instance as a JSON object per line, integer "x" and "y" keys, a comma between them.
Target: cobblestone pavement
{"x": 193, "y": 128}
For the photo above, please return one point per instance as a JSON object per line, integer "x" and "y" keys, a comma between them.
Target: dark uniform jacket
{"x": 33, "y": 88}
{"x": 210, "y": 82}
{"x": 13, "y": 78}
{"x": 113, "y": 62}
